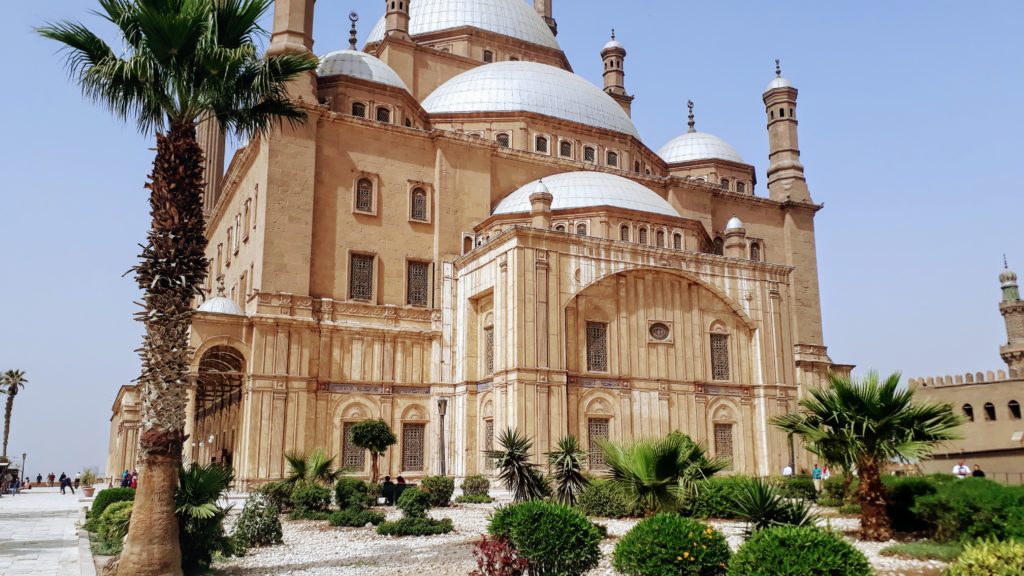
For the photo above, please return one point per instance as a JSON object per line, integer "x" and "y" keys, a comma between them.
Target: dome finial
{"x": 1006, "y": 265}
{"x": 691, "y": 123}
{"x": 353, "y": 17}
{"x": 778, "y": 68}
{"x": 613, "y": 33}
{"x": 220, "y": 285}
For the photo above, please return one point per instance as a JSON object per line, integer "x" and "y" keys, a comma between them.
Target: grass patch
{"x": 849, "y": 509}
{"x": 101, "y": 547}
{"x": 474, "y": 499}
{"x": 925, "y": 550}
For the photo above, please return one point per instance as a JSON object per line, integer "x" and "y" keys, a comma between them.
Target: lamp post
{"x": 24, "y": 472}
{"x": 442, "y": 408}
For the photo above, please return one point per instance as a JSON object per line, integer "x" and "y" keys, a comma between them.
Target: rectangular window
{"x": 238, "y": 228}
{"x": 360, "y": 282}
{"x": 597, "y": 347}
{"x": 351, "y": 455}
{"x": 723, "y": 443}
{"x": 489, "y": 440}
{"x": 489, "y": 350}
{"x": 412, "y": 447}
{"x": 248, "y": 220}
{"x": 719, "y": 357}
{"x": 417, "y": 282}
{"x": 597, "y": 432}
{"x": 589, "y": 154}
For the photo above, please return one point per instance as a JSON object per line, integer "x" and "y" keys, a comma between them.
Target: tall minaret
{"x": 785, "y": 172}
{"x": 293, "y": 34}
{"x": 543, "y": 7}
{"x": 1012, "y": 309}
{"x": 397, "y": 18}
{"x": 211, "y": 140}
{"x": 614, "y": 56}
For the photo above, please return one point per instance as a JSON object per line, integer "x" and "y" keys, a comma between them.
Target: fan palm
{"x": 870, "y": 423}
{"x": 180, "y": 61}
{"x": 658, "y": 475}
{"x": 200, "y": 514}
{"x": 316, "y": 468}
{"x": 759, "y": 503}
{"x": 512, "y": 461}
{"x": 566, "y": 465}
{"x": 11, "y": 382}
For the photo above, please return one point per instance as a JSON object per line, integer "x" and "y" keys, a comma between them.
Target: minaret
{"x": 1012, "y": 309}
{"x": 543, "y": 7}
{"x": 614, "y": 56}
{"x": 211, "y": 140}
{"x": 293, "y": 34}
{"x": 397, "y": 18}
{"x": 785, "y": 172}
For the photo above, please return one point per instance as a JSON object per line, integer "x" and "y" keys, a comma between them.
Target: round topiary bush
{"x": 476, "y": 485}
{"x": 554, "y": 539}
{"x": 671, "y": 545}
{"x": 788, "y": 550}
{"x": 278, "y": 493}
{"x": 352, "y": 493}
{"x": 414, "y": 503}
{"x": 602, "y": 499}
{"x": 311, "y": 498}
{"x": 113, "y": 523}
{"x": 107, "y": 497}
{"x": 985, "y": 558}
{"x": 259, "y": 524}
{"x": 440, "y": 489}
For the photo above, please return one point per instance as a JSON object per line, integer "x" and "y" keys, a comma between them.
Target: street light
{"x": 24, "y": 473}
{"x": 442, "y": 408}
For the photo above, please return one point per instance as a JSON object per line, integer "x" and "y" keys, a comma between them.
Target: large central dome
{"x": 506, "y": 17}
{"x": 529, "y": 87}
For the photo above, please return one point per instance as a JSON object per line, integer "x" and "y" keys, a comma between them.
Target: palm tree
{"x": 197, "y": 503}
{"x": 177, "y": 62}
{"x": 658, "y": 475}
{"x": 12, "y": 381}
{"x": 870, "y": 423}
{"x": 512, "y": 461}
{"x": 316, "y": 468}
{"x": 566, "y": 464}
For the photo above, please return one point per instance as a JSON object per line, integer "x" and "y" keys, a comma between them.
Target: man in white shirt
{"x": 961, "y": 470}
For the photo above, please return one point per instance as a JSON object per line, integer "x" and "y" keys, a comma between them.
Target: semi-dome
{"x": 586, "y": 190}
{"x": 529, "y": 87}
{"x": 359, "y": 65}
{"x": 221, "y": 305}
{"x": 512, "y": 18}
{"x": 698, "y": 146}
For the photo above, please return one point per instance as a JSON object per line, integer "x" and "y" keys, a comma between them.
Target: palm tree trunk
{"x": 7, "y": 419}
{"x": 171, "y": 273}
{"x": 875, "y": 524}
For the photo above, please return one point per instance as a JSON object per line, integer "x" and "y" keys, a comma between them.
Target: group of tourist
{"x": 962, "y": 471}
{"x": 130, "y": 479}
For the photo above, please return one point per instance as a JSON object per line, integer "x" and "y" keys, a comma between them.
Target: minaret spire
{"x": 691, "y": 123}
{"x": 778, "y": 68}
{"x": 353, "y": 38}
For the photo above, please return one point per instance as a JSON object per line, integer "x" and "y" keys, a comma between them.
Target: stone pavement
{"x": 38, "y": 536}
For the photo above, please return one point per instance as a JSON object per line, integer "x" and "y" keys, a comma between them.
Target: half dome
{"x": 359, "y": 65}
{"x": 587, "y": 190}
{"x": 698, "y": 146}
{"x": 221, "y": 305}
{"x": 513, "y": 18}
{"x": 529, "y": 87}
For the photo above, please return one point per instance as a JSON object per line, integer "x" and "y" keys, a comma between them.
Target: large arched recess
{"x": 217, "y": 407}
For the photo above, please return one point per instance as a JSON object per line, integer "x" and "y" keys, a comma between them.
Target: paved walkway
{"x": 37, "y": 533}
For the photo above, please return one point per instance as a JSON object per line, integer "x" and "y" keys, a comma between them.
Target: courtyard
{"x": 38, "y": 533}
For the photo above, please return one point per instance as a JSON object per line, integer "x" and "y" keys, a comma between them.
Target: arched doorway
{"x": 218, "y": 406}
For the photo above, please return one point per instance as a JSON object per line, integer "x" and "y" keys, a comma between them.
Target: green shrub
{"x": 671, "y": 545}
{"x": 554, "y": 539}
{"x": 990, "y": 558}
{"x": 278, "y": 493}
{"x": 414, "y": 503}
{"x": 112, "y": 525}
{"x": 352, "y": 493}
{"x": 415, "y": 527}
{"x": 761, "y": 505}
{"x": 259, "y": 524}
{"x": 474, "y": 499}
{"x": 476, "y": 485}
{"x": 715, "y": 497}
{"x": 311, "y": 498}
{"x": 833, "y": 488}
{"x": 602, "y": 499}
{"x": 797, "y": 487}
{"x": 789, "y": 550}
{"x": 315, "y": 515}
{"x": 355, "y": 518}
{"x": 850, "y": 509}
{"x": 440, "y": 489}
{"x": 925, "y": 550}
{"x": 973, "y": 508}
{"x": 107, "y": 497}
{"x": 901, "y": 494}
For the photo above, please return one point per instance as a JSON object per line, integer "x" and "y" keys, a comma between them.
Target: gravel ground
{"x": 317, "y": 549}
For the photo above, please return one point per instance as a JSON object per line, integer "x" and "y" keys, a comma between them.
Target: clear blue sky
{"x": 911, "y": 131}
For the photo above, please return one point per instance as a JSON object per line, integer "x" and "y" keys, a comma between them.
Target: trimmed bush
{"x": 107, "y": 497}
{"x": 987, "y": 558}
{"x": 311, "y": 498}
{"x": 414, "y": 503}
{"x": 355, "y": 518}
{"x": 259, "y": 524}
{"x": 833, "y": 488}
{"x": 715, "y": 497}
{"x": 279, "y": 494}
{"x": 973, "y": 508}
{"x": 553, "y": 539}
{"x": 789, "y": 550}
{"x": 797, "y": 487}
{"x": 112, "y": 525}
{"x": 474, "y": 499}
{"x": 316, "y": 515}
{"x": 671, "y": 545}
{"x": 352, "y": 493}
{"x": 901, "y": 495}
{"x": 415, "y": 527}
{"x": 602, "y": 499}
{"x": 440, "y": 489}
{"x": 476, "y": 485}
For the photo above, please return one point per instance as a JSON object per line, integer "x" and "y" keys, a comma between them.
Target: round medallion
{"x": 659, "y": 331}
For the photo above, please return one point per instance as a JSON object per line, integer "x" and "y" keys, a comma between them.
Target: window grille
{"x": 238, "y": 233}
{"x": 723, "y": 443}
{"x": 488, "y": 56}
{"x": 504, "y": 140}
{"x": 231, "y": 244}
{"x": 624, "y": 233}
{"x": 597, "y": 432}
{"x": 489, "y": 440}
{"x": 364, "y": 195}
{"x": 560, "y": 228}
{"x": 741, "y": 187}
{"x": 642, "y": 236}
{"x": 384, "y": 115}
{"x": 659, "y": 331}
{"x": 755, "y": 252}
{"x": 660, "y": 238}
{"x": 419, "y": 204}
{"x": 361, "y": 277}
{"x": 542, "y": 145}
{"x": 990, "y": 412}
{"x": 597, "y": 347}
{"x": 719, "y": 246}
{"x": 589, "y": 154}
{"x": 412, "y": 447}
{"x": 969, "y": 412}
{"x": 352, "y": 456}
{"x": 581, "y": 229}
{"x": 719, "y": 357}
{"x": 725, "y": 184}
{"x": 419, "y": 273}
{"x": 359, "y": 109}
{"x": 489, "y": 350}
{"x": 613, "y": 159}
{"x": 677, "y": 241}
{"x": 565, "y": 149}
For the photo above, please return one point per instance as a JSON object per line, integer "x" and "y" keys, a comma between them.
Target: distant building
{"x": 990, "y": 402}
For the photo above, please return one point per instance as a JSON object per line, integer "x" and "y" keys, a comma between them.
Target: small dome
{"x": 1008, "y": 277}
{"x": 698, "y": 146}
{"x": 359, "y": 65}
{"x": 541, "y": 188}
{"x": 587, "y": 190}
{"x": 513, "y": 18}
{"x": 734, "y": 223}
{"x": 221, "y": 305}
{"x": 778, "y": 82}
{"x": 613, "y": 44}
{"x": 529, "y": 87}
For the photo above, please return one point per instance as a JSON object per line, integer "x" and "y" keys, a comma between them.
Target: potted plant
{"x": 87, "y": 480}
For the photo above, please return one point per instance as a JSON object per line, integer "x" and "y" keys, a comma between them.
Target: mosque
{"x": 466, "y": 236}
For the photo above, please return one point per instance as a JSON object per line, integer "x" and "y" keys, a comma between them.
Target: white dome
{"x": 779, "y": 82}
{"x": 586, "y": 190}
{"x": 221, "y": 305}
{"x": 359, "y": 65}
{"x": 734, "y": 223}
{"x": 506, "y": 17}
{"x": 613, "y": 44}
{"x": 529, "y": 87}
{"x": 698, "y": 146}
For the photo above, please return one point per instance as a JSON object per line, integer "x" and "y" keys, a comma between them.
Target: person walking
{"x": 39, "y": 479}
{"x": 78, "y": 479}
{"x": 50, "y": 480}
{"x": 135, "y": 479}
{"x": 816, "y": 478}
{"x": 126, "y": 479}
{"x": 14, "y": 485}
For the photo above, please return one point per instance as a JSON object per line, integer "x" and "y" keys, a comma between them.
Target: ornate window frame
{"x": 653, "y": 325}
{"x": 508, "y": 137}
{"x": 355, "y": 104}
{"x": 428, "y": 191}
{"x": 352, "y": 256}
{"x": 718, "y": 335}
{"x": 427, "y": 288}
{"x": 374, "y": 181}
{"x": 547, "y": 143}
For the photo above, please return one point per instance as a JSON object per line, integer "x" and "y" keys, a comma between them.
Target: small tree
{"x": 375, "y": 436}
{"x": 517, "y": 473}
{"x": 566, "y": 464}
{"x": 316, "y": 468}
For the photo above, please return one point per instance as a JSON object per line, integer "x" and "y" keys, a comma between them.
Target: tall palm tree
{"x": 178, "y": 61}
{"x": 12, "y": 381}
{"x": 870, "y": 423}
{"x": 566, "y": 465}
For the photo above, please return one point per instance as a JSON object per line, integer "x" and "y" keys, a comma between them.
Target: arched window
{"x": 467, "y": 243}
{"x": 677, "y": 241}
{"x": 990, "y": 412}
{"x": 624, "y": 233}
{"x": 719, "y": 248}
{"x": 659, "y": 238}
{"x": 488, "y": 56}
{"x": 419, "y": 204}
{"x": 641, "y": 236}
{"x": 968, "y": 412}
{"x": 359, "y": 109}
{"x": 724, "y": 183}
{"x": 565, "y": 149}
{"x": 581, "y": 229}
{"x": 383, "y": 115}
{"x": 364, "y": 195}
{"x": 782, "y": 112}
{"x": 408, "y": 123}
{"x": 755, "y": 251}
{"x": 636, "y": 166}
{"x": 741, "y": 187}
{"x": 541, "y": 144}
{"x": 589, "y": 154}
{"x": 1014, "y": 407}
{"x": 719, "y": 356}
{"x": 560, "y": 228}
{"x": 504, "y": 140}
{"x": 613, "y": 159}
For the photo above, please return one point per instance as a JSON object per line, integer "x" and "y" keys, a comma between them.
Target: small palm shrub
{"x": 259, "y": 524}
{"x": 512, "y": 461}
{"x": 788, "y": 550}
{"x": 107, "y": 497}
{"x": 440, "y": 489}
{"x": 351, "y": 493}
{"x": 669, "y": 545}
{"x": 758, "y": 502}
{"x": 414, "y": 504}
{"x": 316, "y": 468}
{"x": 988, "y": 558}
{"x": 476, "y": 499}
{"x": 554, "y": 540}
{"x": 311, "y": 498}
{"x": 112, "y": 525}
{"x": 476, "y": 485}
{"x": 278, "y": 494}
{"x": 497, "y": 557}
{"x": 973, "y": 508}
{"x": 602, "y": 499}
{"x": 355, "y": 518}
{"x": 566, "y": 465}
{"x": 201, "y": 516}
